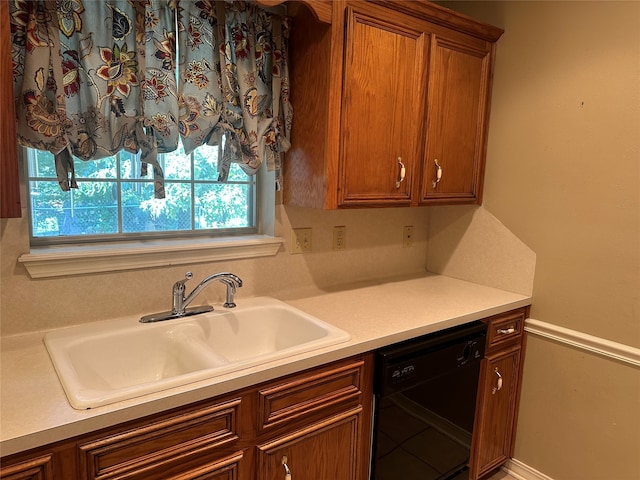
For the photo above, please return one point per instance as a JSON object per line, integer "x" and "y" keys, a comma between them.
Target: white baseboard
{"x": 521, "y": 471}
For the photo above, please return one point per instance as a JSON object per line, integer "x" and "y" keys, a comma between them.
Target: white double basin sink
{"x": 110, "y": 361}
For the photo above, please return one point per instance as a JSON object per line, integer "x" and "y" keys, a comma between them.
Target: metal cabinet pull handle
{"x": 506, "y": 331}
{"x": 287, "y": 472}
{"x": 498, "y": 383}
{"x": 402, "y": 173}
{"x": 438, "y": 174}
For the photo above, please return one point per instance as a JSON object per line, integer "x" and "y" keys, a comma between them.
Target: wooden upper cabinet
{"x": 381, "y": 109}
{"x": 321, "y": 8}
{"x": 457, "y": 117}
{"x": 9, "y": 180}
{"x": 388, "y": 84}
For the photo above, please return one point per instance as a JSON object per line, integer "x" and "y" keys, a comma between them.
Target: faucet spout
{"x": 181, "y": 302}
{"x": 229, "y": 279}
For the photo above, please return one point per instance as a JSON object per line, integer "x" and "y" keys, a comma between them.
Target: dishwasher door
{"x": 425, "y": 393}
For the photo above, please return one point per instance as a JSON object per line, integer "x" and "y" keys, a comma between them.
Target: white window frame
{"x": 44, "y": 261}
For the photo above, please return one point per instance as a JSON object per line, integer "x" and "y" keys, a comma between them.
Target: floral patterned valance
{"x": 94, "y": 77}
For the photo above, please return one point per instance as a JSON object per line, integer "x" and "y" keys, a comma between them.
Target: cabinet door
{"x": 497, "y": 397}
{"x": 383, "y": 101}
{"x": 457, "y": 115}
{"x": 325, "y": 450}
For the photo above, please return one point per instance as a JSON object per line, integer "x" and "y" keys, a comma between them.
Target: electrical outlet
{"x": 339, "y": 237}
{"x": 300, "y": 240}
{"x": 407, "y": 236}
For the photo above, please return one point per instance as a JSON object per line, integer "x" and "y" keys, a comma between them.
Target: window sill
{"x": 64, "y": 261}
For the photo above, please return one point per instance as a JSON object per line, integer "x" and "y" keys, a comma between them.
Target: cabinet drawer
{"x": 505, "y": 328}
{"x": 157, "y": 449}
{"x": 227, "y": 468}
{"x": 323, "y": 392}
{"x": 35, "y": 469}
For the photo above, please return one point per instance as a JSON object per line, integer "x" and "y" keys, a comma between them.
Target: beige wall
{"x": 563, "y": 174}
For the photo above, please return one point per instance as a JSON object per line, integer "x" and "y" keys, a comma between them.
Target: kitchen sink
{"x": 256, "y": 332}
{"x": 110, "y": 361}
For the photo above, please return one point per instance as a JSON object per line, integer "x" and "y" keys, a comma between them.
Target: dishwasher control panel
{"x": 429, "y": 357}
{"x": 404, "y": 373}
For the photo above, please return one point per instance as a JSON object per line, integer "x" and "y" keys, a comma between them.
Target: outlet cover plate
{"x": 339, "y": 237}
{"x": 300, "y": 240}
{"x": 407, "y": 236}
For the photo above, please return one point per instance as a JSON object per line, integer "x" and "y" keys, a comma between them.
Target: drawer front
{"x": 505, "y": 328}
{"x": 326, "y": 392}
{"x": 155, "y": 449}
{"x": 227, "y": 468}
{"x": 35, "y": 469}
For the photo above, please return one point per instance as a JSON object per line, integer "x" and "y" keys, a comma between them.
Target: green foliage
{"x": 104, "y": 204}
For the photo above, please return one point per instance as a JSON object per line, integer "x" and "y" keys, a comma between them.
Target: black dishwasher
{"x": 425, "y": 396}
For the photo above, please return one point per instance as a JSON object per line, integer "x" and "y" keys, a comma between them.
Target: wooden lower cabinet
{"x": 499, "y": 380}
{"x": 228, "y": 468}
{"x": 326, "y": 450}
{"x": 38, "y": 468}
{"x": 320, "y": 419}
{"x": 498, "y": 394}
{"x": 317, "y": 423}
{"x": 170, "y": 447}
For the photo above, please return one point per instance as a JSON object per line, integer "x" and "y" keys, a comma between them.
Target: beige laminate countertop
{"x": 34, "y": 410}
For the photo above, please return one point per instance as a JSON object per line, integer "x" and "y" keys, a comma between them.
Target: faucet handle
{"x": 187, "y": 276}
{"x": 178, "y": 294}
{"x": 179, "y": 285}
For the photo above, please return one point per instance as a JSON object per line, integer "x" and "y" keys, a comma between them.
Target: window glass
{"x": 114, "y": 202}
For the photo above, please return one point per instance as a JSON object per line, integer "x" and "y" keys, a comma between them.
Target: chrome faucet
{"x": 181, "y": 302}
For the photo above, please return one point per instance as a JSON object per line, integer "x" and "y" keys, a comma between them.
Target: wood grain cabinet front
{"x": 166, "y": 448}
{"x": 299, "y": 399}
{"x": 325, "y": 450}
{"x": 318, "y": 424}
{"x": 381, "y": 108}
{"x": 36, "y": 468}
{"x": 391, "y": 105}
{"x": 320, "y": 419}
{"x": 498, "y": 393}
{"x": 10, "y": 206}
{"x": 457, "y": 118}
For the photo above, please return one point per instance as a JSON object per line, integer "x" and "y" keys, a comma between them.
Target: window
{"x": 114, "y": 202}
{"x": 112, "y": 221}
